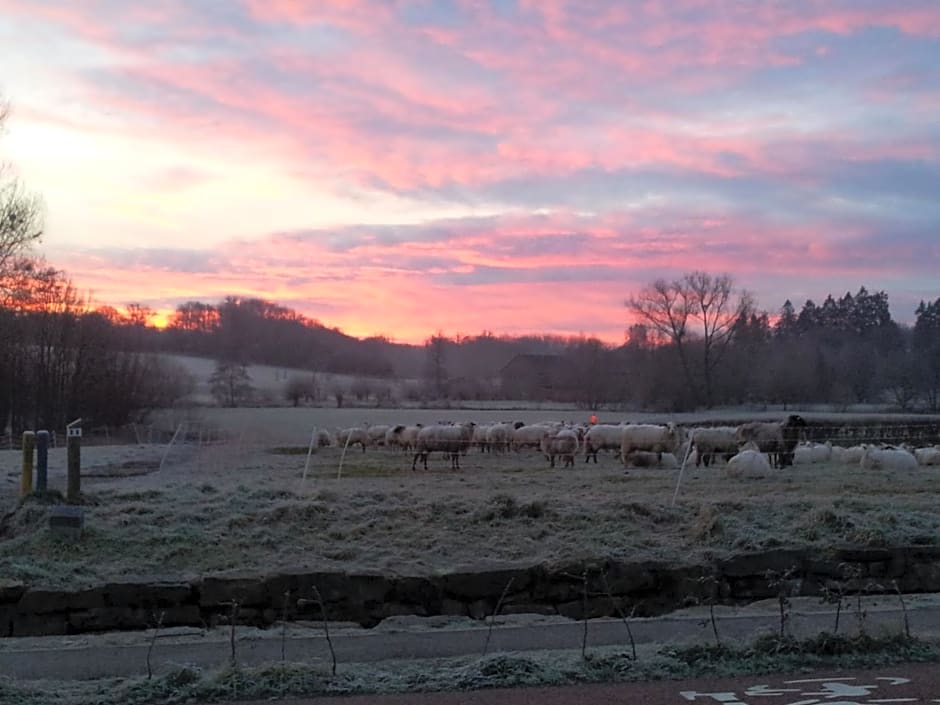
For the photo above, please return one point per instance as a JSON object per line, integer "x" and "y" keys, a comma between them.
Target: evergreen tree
{"x": 926, "y": 351}
{"x": 808, "y": 320}
{"x": 786, "y": 326}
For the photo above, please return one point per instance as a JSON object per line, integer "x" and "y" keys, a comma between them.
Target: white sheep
{"x": 848, "y": 456}
{"x": 651, "y": 438}
{"x": 812, "y": 453}
{"x": 450, "y": 440}
{"x": 748, "y": 462}
{"x": 602, "y": 437}
{"x": 393, "y": 436}
{"x": 348, "y": 437}
{"x": 531, "y": 435}
{"x": 323, "y": 438}
{"x": 718, "y": 441}
{"x": 563, "y": 444}
{"x": 499, "y": 436}
{"x": 928, "y": 456}
{"x": 479, "y": 437}
{"x": 408, "y": 438}
{"x": 887, "y": 459}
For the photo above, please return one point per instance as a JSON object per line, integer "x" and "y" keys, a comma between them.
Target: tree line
{"x": 846, "y": 350}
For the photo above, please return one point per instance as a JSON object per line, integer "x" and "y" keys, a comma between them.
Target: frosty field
{"x": 242, "y": 504}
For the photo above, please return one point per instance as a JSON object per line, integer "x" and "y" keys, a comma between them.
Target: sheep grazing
{"x": 322, "y": 438}
{"x": 888, "y": 459}
{"x": 602, "y": 437}
{"x": 450, "y": 440}
{"x": 719, "y": 441}
{"x": 347, "y": 437}
{"x": 812, "y": 453}
{"x": 748, "y": 462}
{"x": 650, "y": 438}
{"x": 777, "y": 438}
{"x": 563, "y": 444}
{"x": 928, "y": 456}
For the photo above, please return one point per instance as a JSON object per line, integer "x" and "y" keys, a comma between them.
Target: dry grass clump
{"x": 706, "y": 524}
{"x": 504, "y": 506}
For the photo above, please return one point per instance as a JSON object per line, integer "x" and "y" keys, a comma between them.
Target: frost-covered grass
{"x": 240, "y": 506}
{"x": 187, "y": 684}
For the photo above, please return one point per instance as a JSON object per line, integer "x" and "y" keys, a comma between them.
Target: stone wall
{"x": 652, "y": 588}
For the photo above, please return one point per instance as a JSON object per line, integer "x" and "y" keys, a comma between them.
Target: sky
{"x": 403, "y": 167}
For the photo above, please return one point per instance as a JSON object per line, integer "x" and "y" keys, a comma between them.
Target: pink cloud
{"x": 633, "y": 98}
{"x": 380, "y": 113}
{"x": 475, "y": 275}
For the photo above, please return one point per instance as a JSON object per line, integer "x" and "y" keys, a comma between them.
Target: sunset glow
{"x": 401, "y": 168}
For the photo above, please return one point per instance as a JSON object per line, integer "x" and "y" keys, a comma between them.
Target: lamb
{"x": 347, "y": 437}
{"x": 777, "y": 439}
{"x": 563, "y": 444}
{"x": 602, "y": 437}
{"x": 650, "y": 438}
{"x": 748, "y": 462}
{"x": 708, "y": 442}
{"x": 928, "y": 456}
{"x": 451, "y": 440}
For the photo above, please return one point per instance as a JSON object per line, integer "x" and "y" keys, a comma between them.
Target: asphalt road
{"x": 911, "y": 683}
{"x": 48, "y": 658}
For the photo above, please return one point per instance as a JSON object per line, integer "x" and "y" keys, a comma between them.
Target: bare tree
{"x": 698, "y": 307}
{"x": 20, "y": 214}
{"x": 230, "y": 383}
{"x": 299, "y": 388}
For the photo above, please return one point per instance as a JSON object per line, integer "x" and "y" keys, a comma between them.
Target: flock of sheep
{"x": 753, "y": 447}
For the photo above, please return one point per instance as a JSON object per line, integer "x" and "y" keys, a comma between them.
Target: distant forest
{"x": 61, "y": 358}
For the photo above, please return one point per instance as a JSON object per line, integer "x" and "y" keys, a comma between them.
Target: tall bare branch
{"x": 21, "y": 213}
{"x": 699, "y": 306}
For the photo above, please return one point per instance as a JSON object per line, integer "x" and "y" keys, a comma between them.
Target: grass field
{"x": 239, "y": 504}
